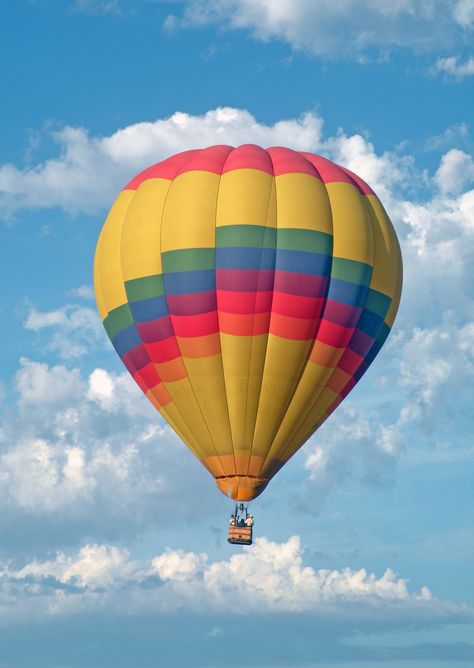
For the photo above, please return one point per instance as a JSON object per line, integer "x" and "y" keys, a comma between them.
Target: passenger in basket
{"x": 249, "y": 521}
{"x": 232, "y": 521}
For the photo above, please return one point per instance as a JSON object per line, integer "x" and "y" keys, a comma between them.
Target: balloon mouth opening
{"x": 242, "y": 487}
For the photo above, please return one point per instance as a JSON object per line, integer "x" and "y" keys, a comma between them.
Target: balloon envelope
{"x": 247, "y": 291}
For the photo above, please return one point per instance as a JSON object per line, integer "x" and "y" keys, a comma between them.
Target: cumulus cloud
{"x": 355, "y": 444}
{"x": 85, "y": 292}
{"x": 456, "y": 170}
{"x": 464, "y": 13}
{"x": 454, "y": 67}
{"x": 37, "y": 384}
{"x": 434, "y": 362}
{"x": 338, "y": 28}
{"x": 90, "y": 171}
{"x": 267, "y": 578}
{"x": 90, "y": 455}
{"x": 71, "y": 331}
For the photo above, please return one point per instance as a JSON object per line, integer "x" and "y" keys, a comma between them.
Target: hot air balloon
{"x": 247, "y": 290}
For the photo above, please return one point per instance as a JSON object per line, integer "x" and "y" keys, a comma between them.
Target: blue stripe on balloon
{"x": 149, "y": 309}
{"x": 125, "y": 340}
{"x": 186, "y": 282}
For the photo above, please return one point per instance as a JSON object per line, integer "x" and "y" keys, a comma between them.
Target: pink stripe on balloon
{"x": 210, "y": 159}
{"x": 328, "y": 171}
{"x": 286, "y": 161}
{"x": 167, "y": 169}
{"x": 248, "y": 156}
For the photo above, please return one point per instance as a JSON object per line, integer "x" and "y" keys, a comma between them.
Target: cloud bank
{"x": 267, "y": 578}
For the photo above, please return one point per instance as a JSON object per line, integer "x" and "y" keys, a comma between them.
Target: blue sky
{"x": 365, "y": 546}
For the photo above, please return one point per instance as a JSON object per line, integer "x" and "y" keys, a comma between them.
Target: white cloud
{"x": 355, "y": 443}
{"x": 454, "y": 135}
{"x": 385, "y": 173}
{"x": 336, "y": 28}
{"x": 435, "y": 362}
{"x": 456, "y": 170}
{"x": 93, "y": 566}
{"x": 464, "y": 13}
{"x": 267, "y": 578}
{"x": 40, "y": 385}
{"x": 452, "y": 66}
{"x": 83, "y": 292}
{"x": 91, "y": 455}
{"x": 89, "y": 172}
{"x": 178, "y": 565}
{"x": 72, "y": 330}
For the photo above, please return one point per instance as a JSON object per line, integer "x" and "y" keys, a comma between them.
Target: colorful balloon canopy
{"x": 247, "y": 291}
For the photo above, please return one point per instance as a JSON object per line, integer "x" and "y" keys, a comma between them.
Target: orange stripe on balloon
{"x": 325, "y": 355}
{"x": 297, "y": 329}
{"x": 171, "y": 371}
{"x": 200, "y": 346}
{"x": 338, "y": 380}
{"x": 244, "y": 325}
{"x": 159, "y": 395}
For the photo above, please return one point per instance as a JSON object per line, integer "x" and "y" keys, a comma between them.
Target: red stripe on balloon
{"x": 248, "y": 156}
{"x": 195, "y": 325}
{"x": 286, "y": 161}
{"x": 334, "y": 335}
{"x": 210, "y": 159}
{"x": 296, "y": 306}
{"x": 244, "y": 302}
{"x": 163, "y": 351}
{"x": 328, "y": 171}
{"x": 146, "y": 377}
{"x": 167, "y": 169}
